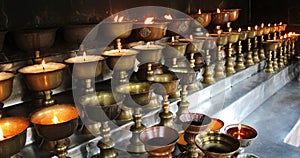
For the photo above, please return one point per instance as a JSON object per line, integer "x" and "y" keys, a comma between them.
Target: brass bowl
{"x": 32, "y": 40}
{"x": 233, "y": 14}
{"x": 101, "y": 106}
{"x": 233, "y": 37}
{"x": 14, "y": 132}
{"x": 282, "y": 27}
{"x": 159, "y": 141}
{"x": 217, "y": 145}
{"x": 194, "y": 122}
{"x": 6, "y": 85}
{"x": 259, "y": 32}
{"x": 120, "y": 60}
{"x": 215, "y": 124}
{"x": 247, "y": 133}
{"x": 221, "y": 39}
{"x": 252, "y": 33}
{"x": 150, "y": 32}
{"x": 273, "y": 29}
{"x": 174, "y": 49}
{"x": 243, "y": 35}
{"x": 194, "y": 45}
{"x": 77, "y": 33}
{"x": 137, "y": 93}
{"x": 267, "y": 30}
{"x": 202, "y": 19}
{"x": 142, "y": 73}
{"x": 179, "y": 26}
{"x": 220, "y": 18}
{"x": 209, "y": 42}
{"x": 148, "y": 53}
{"x": 79, "y": 67}
{"x": 116, "y": 29}
{"x": 186, "y": 76}
{"x": 43, "y": 81}
{"x": 168, "y": 83}
{"x": 270, "y": 45}
{"x": 63, "y": 127}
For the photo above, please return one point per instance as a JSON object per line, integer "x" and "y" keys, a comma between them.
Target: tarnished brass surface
{"x": 150, "y": 32}
{"x": 252, "y": 33}
{"x": 14, "y": 132}
{"x": 116, "y": 29}
{"x": 178, "y": 26}
{"x": 233, "y": 14}
{"x": 174, "y": 49}
{"x": 149, "y": 69}
{"x": 168, "y": 83}
{"x": 202, "y": 19}
{"x": 220, "y": 18}
{"x": 217, "y": 145}
{"x": 222, "y": 39}
{"x": 271, "y": 45}
{"x": 233, "y": 37}
{"x": 259, "y": 32}
{"x": 194, "y": 45}
{"x": 186, "y": 75}
{"x": 247, "y": 133}
{"x": 6, "y": 86}
{"x": 243, "y": 35}
{"x": 77, "y": 33}
{"x": 148, "y": 53}
{"x": 120, "y": 62}
{"x": 267, "y": 30}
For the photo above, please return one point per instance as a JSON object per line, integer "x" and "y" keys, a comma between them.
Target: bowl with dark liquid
{"x": 159, "y": 141}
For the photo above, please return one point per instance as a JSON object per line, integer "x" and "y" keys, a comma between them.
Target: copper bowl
{"x": 243, "y": 35}
{"x": 271, "y": 45}
{"x": 47, "y": 128}
{"x": 32, "y": 40}
{"x": 14, "y": 132}
{"x": 43, "y": 81}
{"x": 137, "y": 93}
{"x": 267, "y": 30}
{"x": 233, "y": 37}
{"x": 180, "y": 26}
{"x": 174, "y": 49}
{"x": 148, "y": 53}
{"x": 6, "y": 85}
{"x": 233, "y": 14}
{"x": 216, "y": 124}
{"x": 120, "y": 60}
{"x": 217, "y": 145}
{"x": 195, "y": 122}
{"x": 202, "y": 19}
{"x": 77, "y": 33}
{"x": 116, "y": 29}
{"x": 167, "y": 83}
{"x": 247, "y": 136}
{"x": 150, "y": 32}
{"x": 194, "y": 45}
{"x": 221, "y": 39}
{"x": 159, "y": 141}
{"x": 220, "y": 18}
{"x": 101, "y": 106}
{"x": 79, "y": 67}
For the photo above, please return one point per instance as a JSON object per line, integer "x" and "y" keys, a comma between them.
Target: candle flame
{"x": 280, "y": 23}
{"x": 173, "y": 39}
{"x": 84, "y": 56}
{"x": 219, "y": 31}
{"x": 230, "y": 29}
{"x": 199, "y": 11}
{"x": 218, "y": 10}
{"x": 43, "y": 64}
{"x": 119, "y": 45}
{"x": 148, "y": 44}
{"x": 191, "y": 37}
{"x": 55, "y": 119}
{"x": 168, "y": 17}
{"x": 239, "y": 132}
{"x": 255, "y": 27}
{"x": 262, "y": 25}
{"x": 269, "y": 24}
{"x": 281, "y": 37}
{"x": 285, "y": 36}
{"x": 239, "y": 30}
{"x": 207, "y": 34}
{"x": 249, "y": 28}
{"x": 149, "y": 20}
{"x": 117, "y": 19}
{"x": 1, "y": 134}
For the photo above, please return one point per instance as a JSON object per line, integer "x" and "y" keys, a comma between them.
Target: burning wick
{"x": 55, "y": 119}
{"x": 269, "y": 24}
{"x": 199, "y": 11}
{"x": 230, "y": 29}
{"x": 218, "y": 10}
{"x": 280, "y": 23}
{"x": 255, "y": 27}
{"x": 173, "y": 39}
{"x": 191, "y": 37}
{"x": 262, "y": 25}
{"x": 239, "y": 131}
{"x": 84, "y": 56}
{"x": 1, "y": 134}
{"x": 119, "y": 46}
{"x": 207, "y": 34}
{"x": 284, "y": 36}
{"x": 117, "y": 19}
{"x": 219, "y": 32}
{"x": 168, "y": 17}
{"x": 249, "y": 28}
{"x": 149, "y": 20}
{"x": 148, "y": 44}
{"x": 239, "y": 30}
{"x": 43, "y": 65}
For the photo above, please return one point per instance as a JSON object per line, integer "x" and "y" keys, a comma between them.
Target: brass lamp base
{"x": 208, "y": 75}
{"x": 229, "y": 66}
{"x": 124, "y": 116}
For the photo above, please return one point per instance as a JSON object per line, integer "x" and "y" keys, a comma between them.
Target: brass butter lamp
{"x": 220, "y": 18}
{"x": 173, "y": 51}
{"x": 256, "y": 55}
{"x": 221, "y": 41}
{"x": 233, "y": 16}
{"x": 270, "y": 46}
{"x": 249, "y": 57}
{"x": 233, "y": 38}
{"x": 201, "y": 20}
{"x": 240, "y": 60}
{"x": 6, "y": 85}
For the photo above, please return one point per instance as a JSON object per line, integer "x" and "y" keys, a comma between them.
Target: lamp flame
{"x": 199, "y": 11}
{"x": 285, "y": 36}
{"x": 43, "y": 64}
{"x": 119, "y": 45}
{"x": 280, "y": 23}
{"x": 55, "y": 119}
{"x": 218, "y": 10}
{"x": 84, "y": 55}
{"x": 207, "y": 34}
{"x": 117, "y": 19}
{"x": 191, "y": 37}
{"x": 1, "y": 134}
{"x": 239, "y": 131}
{"x": 168, "y": 17}
{"x": 239, "y": 30}
{"x": 255, "y": 27}
{"x": 149, "y": 20}
{"x": 262, "y": 25}
{"x": 249, "y": 28}
{"x": 269, "y": 24}
{"x": 173, "y": 39}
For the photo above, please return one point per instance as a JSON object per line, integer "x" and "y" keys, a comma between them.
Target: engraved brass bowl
{"x": 63, "y": 127}
{"x": 159, "y": 141}
{"x": 14, "y": 132}
{"x": 167, "y": 83}
{"x": 174, "y": 49}
{"x": 221, "y": 39}
{"x": 233, "y": 14}
{"x": 217, "y": 145}
{"x": 220, "y": 18}
{"x": 123, "y": 60}
{"x": 247, "y": 133}
{"x": 178, "y": 26}
{"x": 6, "y": 85}
{"x": 116, "y": 29}
{"x": 148, "y": 53}
{"x": 243, "y": 35}
{"x": 202, "y": 19}
{"x": 252, "y": 33}
{"x": 270, "y": 45}
{"x": 150, "y": 32}
{"x": 233, "y": 37}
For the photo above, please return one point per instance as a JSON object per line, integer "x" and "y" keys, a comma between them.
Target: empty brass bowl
{"x": 159, "y": 141}
{"x": 270, "y": 45}
{"x": 267, "y": 30}
{"x": 186, "y": 76}
{"x": 174, "y": 49}
{"x": 101, "y": 106}
{"x": 233, "y": 37}
{"x": 247, "y": 133}
{"x": 55, "y": 122}
{"x": 79, "y": 66}
{"x": 168, "y": 83}
{"x": 202, "y": 19}
{"x": 6, "y": 85}
{"x": 43, "y": 81}
{"x": 137, "y": 93}
{"x": 150, "y": 32}
{"x": 243, "y": 35}
{"x": 120, "y": 60}
{"x": 220, "y": 18}
{"x": 221, "y": 39}
{"x": 217, "y": 145}
{"x": 233, "y": 14}
{"x": 194, "y": 45}
{"x": 14, "y": 132}
{"x": 252, "y": 33}
{"x": 148, "y": 53}
{"x": 116, "y": 29}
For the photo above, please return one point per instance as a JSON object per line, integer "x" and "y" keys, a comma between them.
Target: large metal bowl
{"x": 148, "y": 53}
{"x": 217, "y": 145}
{"x": 116, "y": 29}
{"x": 150, "y": 32}
{"x": 233, "y": 14}
{"x": 174, "y": 49}
{"x": 123, "y": 60}
{"x": 247, "y": 136}
{"x": 220, "y": 18}
{"x": 180, "y": 26}
{"x": 6, "y": 85}
{"x": 77, "y": 33}
{"x": 202, "y": 19}
{"x": 167, "y": 83}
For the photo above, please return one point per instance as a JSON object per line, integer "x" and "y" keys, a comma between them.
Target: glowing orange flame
{"x": 119, "y": 45}
{"x": 280, "y": 23}
{"x": 168, "y": 17}
{"x": 84, "y": 55}
{"x": 219, "y": 32}
{"x": 218, "y": 10}
{"x": 249, "y": 28}
{"x": 117, "y": 19}
{"x": 230, "y": 29}
{"x": 1, "y": 134}
{"x": 149, "y": 20}
{"x": 239, "y": 132}
{"x": 262, "y": 25}
{"x": 199, "y": 11}
{"x": 173, "y": 39}
{"x": 239, "y": 30}
{"x": 269, "y": 24}
{"x": 191, "y": 37}
{"x": 285, "y": 35}
{"x": 281, "y": 37}
{"x": 55, "y": 119}
{"x": 207, "y": 34}
{"x": 255, "y": 27}
{"x": 43, "y": 64}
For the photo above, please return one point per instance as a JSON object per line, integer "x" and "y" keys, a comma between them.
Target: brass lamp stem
{"x": 61, "y": 148}
{"x": 166, "y": 116}
{"x": 183, "y": 105}
{"x": 219, "y": 69}
{"x": 261, "y": 50}
{"x": 48, "y": 101}
{"x": 174, "y": 60}
{"x": 106, "y": 144}
{"x": 88, "y": 86}
{"x": 240, "y": 58}
{"x": 289, "y": 51}
{"x": 285, "y": 54}
{"x": 229, "y": 66}
{"x": 149, "y": 70}
{"x": 192, "y": 60}
{"x": 249, "y": 59}
{"x": 255, "y": 51}
{"x": 281, "y": 57}
{"x": 123, "y": 77}
{"x": 275, "y": 59}
{"x": 269, "y": 66}
{"x": 208, "y": 75}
